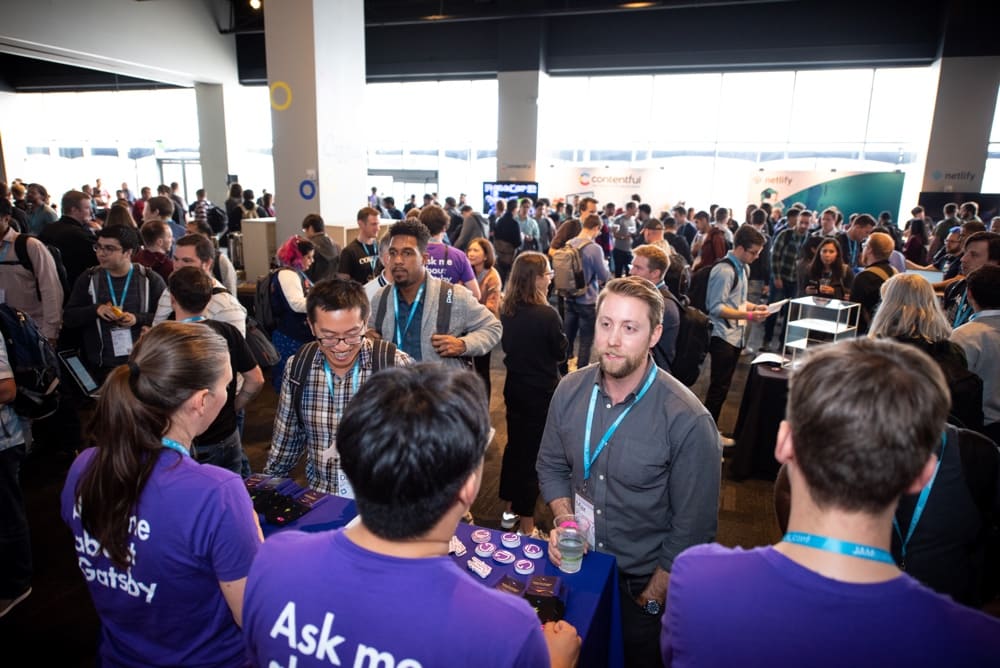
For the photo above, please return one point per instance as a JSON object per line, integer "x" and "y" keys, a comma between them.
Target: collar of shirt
{"x": 736, "y": 260}
{"x": 630, "y": 397}
{"x": 986, "y": 313}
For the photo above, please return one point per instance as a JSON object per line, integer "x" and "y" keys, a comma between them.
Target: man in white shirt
{"x": 195, "y": 250}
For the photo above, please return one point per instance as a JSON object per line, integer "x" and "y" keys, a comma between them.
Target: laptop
{"x": 78, "y": 370}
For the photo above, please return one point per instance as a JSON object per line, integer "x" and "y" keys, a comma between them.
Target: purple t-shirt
{"x": 449, "y": 264}
{"x": 318, "y": 599}
{"x": 194, "y": 527}
{"x": 776, "y": 612}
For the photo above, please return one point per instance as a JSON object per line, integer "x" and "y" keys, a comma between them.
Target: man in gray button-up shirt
{"x": 655, "y": 484}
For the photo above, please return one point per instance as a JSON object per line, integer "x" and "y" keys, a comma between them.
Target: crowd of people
{"x": 383, "y": 391}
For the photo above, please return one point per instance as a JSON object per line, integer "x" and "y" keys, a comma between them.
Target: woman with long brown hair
{"x": 534, "y": 345}
{"x": 164, "y": 543}
{"x": 482, "y": 257}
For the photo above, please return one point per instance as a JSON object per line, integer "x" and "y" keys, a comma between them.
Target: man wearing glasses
{"x": 112, "y": 302}
{"x": 320, "y": 380}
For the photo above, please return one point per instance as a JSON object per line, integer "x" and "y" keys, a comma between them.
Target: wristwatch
{"x": 652, "y": 607}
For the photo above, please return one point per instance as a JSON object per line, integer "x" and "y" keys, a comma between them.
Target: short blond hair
{"x": 639, "y": 288}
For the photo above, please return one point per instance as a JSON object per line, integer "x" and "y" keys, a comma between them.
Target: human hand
{"x": 109, "y": 312}
{"x": 826, "y": 289}
{"x": 555, "y": 556}
{"x": 563, "y": 642}
{"x": 446, "y": 345}
{"x": 779, "y": 284}
{"x": 127, "y": 319}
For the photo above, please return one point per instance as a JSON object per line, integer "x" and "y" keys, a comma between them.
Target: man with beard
{"x": 633, "y": 451}
{"x": 409, "y": 312}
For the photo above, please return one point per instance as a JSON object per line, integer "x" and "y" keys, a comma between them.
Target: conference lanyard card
{"x": 121, "y": 341}
{"x": 584, "y": 508}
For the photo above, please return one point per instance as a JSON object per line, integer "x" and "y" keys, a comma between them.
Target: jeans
{"x": 724, "y": 359}
{"x": 640, "y": 630}
{"x": 580, "y": 318}
{"x": 15, "y": 541}
{"x": 622, "y": 260}
{"x": 227, "y": 453}
{"x": 787, "y": 291}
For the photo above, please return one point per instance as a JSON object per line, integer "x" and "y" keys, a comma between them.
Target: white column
{"x": 517, "y": 120}
{"x": 212, "y": 144}
{"x": 963, "y": 118}
{"x": 316, "y": 76}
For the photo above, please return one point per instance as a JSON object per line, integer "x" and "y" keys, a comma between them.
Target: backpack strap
{"x": 383, "y": 304}
{"x": 21, "y": 251}
{"x": 383, "y": 355}
{"x": 444, "y": 307}
{"x": 880, "y": 272}
{"x": 299, "y": 374}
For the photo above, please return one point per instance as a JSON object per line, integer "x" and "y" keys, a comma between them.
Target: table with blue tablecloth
{"x": 592, "y": 603}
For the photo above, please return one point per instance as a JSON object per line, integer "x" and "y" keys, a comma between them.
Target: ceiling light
{"x": 254, "y": 4}
{"x": 637, "y": 5}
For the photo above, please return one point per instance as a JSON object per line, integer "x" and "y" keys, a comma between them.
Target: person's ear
{"x": 924, "y": 477}
{"x": 784, "y": 447}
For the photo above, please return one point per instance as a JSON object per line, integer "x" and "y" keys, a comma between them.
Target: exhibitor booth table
{"x": 591, "y": 595}
{"x": 761, "y": 412}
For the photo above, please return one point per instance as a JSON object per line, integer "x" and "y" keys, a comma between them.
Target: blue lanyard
{"x": 660, "y": 285}
{"x": 306, "y": 283}
{"x": 853, "y": 245}
{"x": 588, "y": 461}
{"x": 355, "y": 376}
{"x": 119, "y": 302}
{"x": 195, "y": 318}
{"x": 839, "y": 547}
{"x": 174, "y": 445}
{"x": 372, "y": 254}
{"x": 6, "y": 249}
{"x": 919, "y": 509}
{"x": 964, "y": 311}
{"x": 409, "y": 320}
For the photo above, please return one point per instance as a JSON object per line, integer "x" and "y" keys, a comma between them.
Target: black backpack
{"x": 383, "y": 356}
{"x": 263, "y": 311}
{"x": 261, "y": 347}
{"x": 23, "y": 259}
{"x": 33, "y": 362}
{"x": 694, "y": 333}
{"x": 217, "y": 219}
{"x": 698, "y": 288}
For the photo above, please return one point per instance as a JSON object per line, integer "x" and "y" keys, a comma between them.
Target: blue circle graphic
{"x": 307, "y": 189}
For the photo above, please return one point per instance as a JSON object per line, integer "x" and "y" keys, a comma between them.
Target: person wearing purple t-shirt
{"x": 448, "y": 264}
{"x": 830, "y": 593}
{"x": 384, "y": 590}
{"x": 164, "y": 543}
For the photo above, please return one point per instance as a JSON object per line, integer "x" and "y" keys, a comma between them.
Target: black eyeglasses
{"x": 331, "y": 341}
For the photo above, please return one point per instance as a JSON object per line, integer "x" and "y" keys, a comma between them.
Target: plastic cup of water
{"x": 572, "y": 541}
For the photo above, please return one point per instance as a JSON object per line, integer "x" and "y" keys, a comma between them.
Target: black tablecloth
{"x": 761, "y": 413}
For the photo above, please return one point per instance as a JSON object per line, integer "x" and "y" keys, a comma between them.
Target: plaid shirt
{"x": 785, "y": 254}
{"x": 321, "y": 413}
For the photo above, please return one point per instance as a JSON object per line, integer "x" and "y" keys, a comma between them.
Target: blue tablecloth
{"x": 329, "y": 512}
{"x": 592, "y": 603}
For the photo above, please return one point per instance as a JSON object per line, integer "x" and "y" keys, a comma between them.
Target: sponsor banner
{"x": 851, "y": 192}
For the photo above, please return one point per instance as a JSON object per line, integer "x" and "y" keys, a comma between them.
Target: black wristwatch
{"x": 652, "y": 607}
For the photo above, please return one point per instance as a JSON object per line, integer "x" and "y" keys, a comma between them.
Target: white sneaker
{"x": 509, "y": 520}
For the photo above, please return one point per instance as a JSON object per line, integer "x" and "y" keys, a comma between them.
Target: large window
{"x": 709, "y": 131}
{"x": 991, "y": 175}
{"x": 431, "y": 136}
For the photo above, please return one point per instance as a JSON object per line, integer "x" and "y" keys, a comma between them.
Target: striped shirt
{"x": 321, "y": 413}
